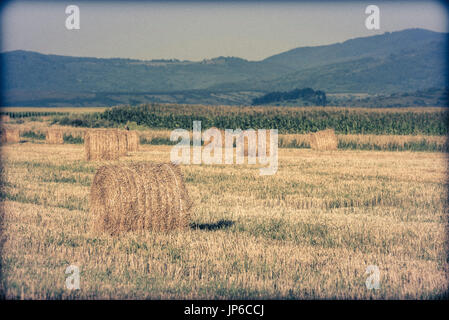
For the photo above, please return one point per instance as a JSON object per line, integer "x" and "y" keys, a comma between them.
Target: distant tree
{"x": 307, "y": 95}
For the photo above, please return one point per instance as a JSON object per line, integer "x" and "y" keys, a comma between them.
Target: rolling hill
{"x": 402, "y": 61}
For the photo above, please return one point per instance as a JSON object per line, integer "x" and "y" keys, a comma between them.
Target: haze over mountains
{"x": 403, "y": 61}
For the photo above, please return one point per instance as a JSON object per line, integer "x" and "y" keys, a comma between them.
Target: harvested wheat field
{"x": 309, "y": 231}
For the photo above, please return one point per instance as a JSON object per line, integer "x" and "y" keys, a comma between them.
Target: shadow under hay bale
{"x": 324, "y": 140}
{"x": 54, "y": 136}
{"x": 139, "y": 196}
{"x": 8, "y": 135}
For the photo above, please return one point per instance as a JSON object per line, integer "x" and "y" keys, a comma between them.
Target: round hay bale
{"x": 8, "y": 135}
{"x": 122, "y": 137}
{"x": 101, "y": 144}
{"x": 324, "y": 140}
{"x": 54, "y": 136}
{"x": 133, "y": 140}
{"x": 5, "y": 118}
{"x": 139, "y": 196}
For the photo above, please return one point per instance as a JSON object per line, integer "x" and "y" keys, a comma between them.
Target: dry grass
{"x": 294, "y": 140}
{"x": 324, "y": 140}
{"x": 149, "y": 135}
{"x": 309, "y": 231}
{"x": 390, "y": 142}
{"x": 139, "y": 196}
{"x": 54, "y": 136}
{"x": 41, "y": 127}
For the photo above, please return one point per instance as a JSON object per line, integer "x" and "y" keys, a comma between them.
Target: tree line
{"x": 317, "y": 98}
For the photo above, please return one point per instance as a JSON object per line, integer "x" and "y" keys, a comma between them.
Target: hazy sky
{"x": 201, "y": 30}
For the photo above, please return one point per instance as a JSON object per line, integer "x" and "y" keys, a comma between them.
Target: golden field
{"x": 307, "y": 232}
{"x": 346, "y": 141}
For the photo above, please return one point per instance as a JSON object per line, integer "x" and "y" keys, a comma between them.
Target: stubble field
{"x": 309, "y": 231}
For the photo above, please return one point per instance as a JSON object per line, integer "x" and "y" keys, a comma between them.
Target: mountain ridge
{"x": 403, "y": 31}
{"x": 397, "y": 61}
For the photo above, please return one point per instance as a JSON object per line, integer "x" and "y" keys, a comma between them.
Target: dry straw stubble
{"x": 324, "y": 140}
{"x": 139, "y": 196}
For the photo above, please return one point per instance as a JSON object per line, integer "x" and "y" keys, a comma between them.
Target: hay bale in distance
{"x": 324, "y": 140}
{"x": 133, "y": 141}
{"x": 54, "y": 136}
{"x": 8, "y": 135}
{"x": 139, "y": 196}
{"x": 101, "y": 145}
{"x": 122, "y": 137}
{"x": 109, "y": 144}
{"x": 245, "y": 143}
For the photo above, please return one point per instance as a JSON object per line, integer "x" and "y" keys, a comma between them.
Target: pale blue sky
{"x": 196, "y": 31}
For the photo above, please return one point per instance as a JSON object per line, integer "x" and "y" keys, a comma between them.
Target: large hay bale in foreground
{"x": 54, "y": 136}
{"x": 101, "y": 145}
{"x": 133, "y": 141}
{"x": 8, "y": 135}
{"x": 139, "y": 196}
{"x": 324, "y": 140}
